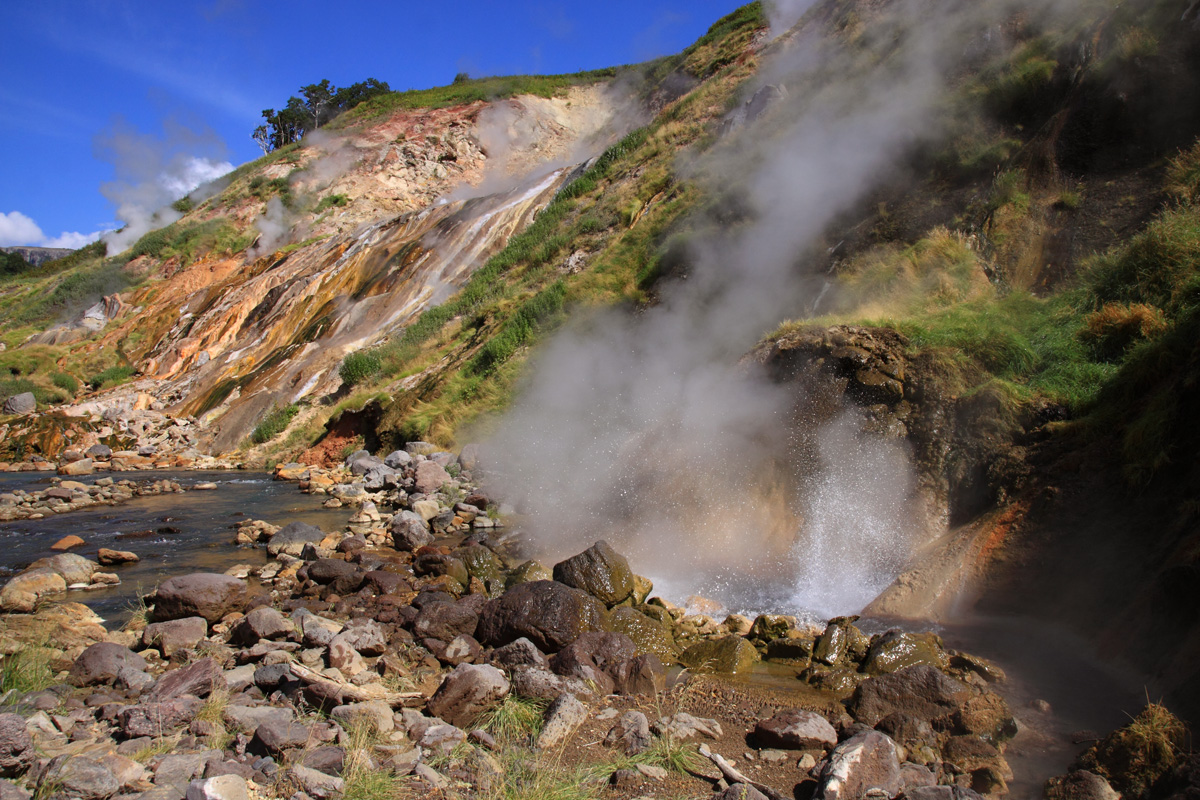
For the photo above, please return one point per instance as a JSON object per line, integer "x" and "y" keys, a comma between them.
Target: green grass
{"x": 359, "y": 366}
{"x": 113, "y": 376}
{"x": 517, "y": 720}
{"x": 27, "y": 670}
{"x": 274, "y": 423}
{"x": 331, "y": 201}
{"x": 190, "y": 241}
{"x": 1160, "y": 266}
{"x": 536, "y": 313}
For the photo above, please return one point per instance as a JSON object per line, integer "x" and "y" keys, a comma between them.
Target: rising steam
{"x": 642, "y": 429}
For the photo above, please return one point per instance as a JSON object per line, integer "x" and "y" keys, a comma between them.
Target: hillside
{"x": 846, "y": 273}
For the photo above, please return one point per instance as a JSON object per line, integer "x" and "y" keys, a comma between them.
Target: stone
{"x": 896, "y": 649}
{"x": 468, "y": 457}
{"x": 340, "y": 576}
{"x": 380, "y": 477}
{"x": 548, "y": 613}
{"x": 81, "y": 777}
{"x": 599, "y": 650}
{"x": 563, "y": 716}
{"x": 795, "y": 729}
{"x": 519, "y": 653}
{"x": 410, "y": 531}
{"x": 740, "y": 791}
{"x": 864, "y": 762}
{"x": 221, "y": 787}
{"x": 941, "y": 793}
{"x": 23, "y": 403}
{"x": 178, "y": 768}
{"x": 317, "y": 783}
{"x": 366, "y": 636}
{"x": 176, "y": 635}
{"x": 376, "y": 714}
{"x": 600, "y": 571}
{"x": 397, "y": 459}
{"x": 199, "y": 679}
{"x": 66, "y": 543}
{"x": 16, "y": 746}
{"x": 260, "y": 623}
{"x": 648, "y": 635}
{"x": 84, "y": 466}
{"x": 292, "y": 538}
{"x": 101, "y": 662}
{"x": 631, "y": 734}
{"x": 101, "y": 451}
{"x": 24, "y": 592}
{"x": 200, "y": 594}
{"x": 329, "y": 759}
{"x": 10, "y": 791}
{"x": 157, "y": 719}
{"x": 445, "y": 621}
{"x": 641, "y": 675}
{"x": 683, "y": 726}
{"x": 841, "y": 643}
{"x": 727, "y": 654}
{"x": 527, "y": 573}
{"x": 467, "y": 692}
{"x": 247, "y": 718}
{"x": 922, "y": 692}
{"x": 74, "y": 568}
{"x": 343, "y": 656}
{"x": 111, "y": 558}
{"x": 440, "y": 564}
{"x": 543, "y": 684}
{"x": 431, "y": 476}
{"x": 274, "y": 738}
{"x": 318, "y": 631}
{"x": 1079, "y": 785}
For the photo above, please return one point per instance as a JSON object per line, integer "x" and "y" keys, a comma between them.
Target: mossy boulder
{"x": 842, "y": 643}
{"x": 436, "y": 564}
{"x": 548, "y": 613}
{"x": 770, "y": 626}
{"x": 600, "y": 571}
{"x": 480, "y": 562}
{"x": 896, "y": 649}
{"x": 788, "y": 650}
{"x": 642, "y": 587}
{"x": 527, "y": 573}
{"x": 650, "y": 635}
{"x": 727, "y": 654}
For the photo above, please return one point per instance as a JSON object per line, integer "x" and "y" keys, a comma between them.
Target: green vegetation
{"x": 517, "y": 720}
{"x": 113, "y": 376}
{"x": 359, "y": 366}
{"x": 1134, "y": 757}
{"x": 520, "y": 329}
{"x": 331, "y": 201}
{"x": 189, "y": 241}
{"x": 318, "y": 104}
{"x": 274, "y": 423}
{"x": 13, "y": 264}
{"x": 26, "y": 670}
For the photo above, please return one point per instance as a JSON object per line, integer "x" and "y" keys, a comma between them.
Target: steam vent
{"x": 807, "y": 414}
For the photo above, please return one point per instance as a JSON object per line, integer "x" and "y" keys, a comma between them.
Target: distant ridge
{"x": 37, "y": 256}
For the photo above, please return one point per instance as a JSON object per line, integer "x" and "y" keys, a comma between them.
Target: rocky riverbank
{"x": 416, "y": 653}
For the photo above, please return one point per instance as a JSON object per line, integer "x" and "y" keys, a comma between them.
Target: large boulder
{"x": 600, "y": 571}
{"x": 864, "y": 762}
{"x": 101, "y": 663}
{"x": 896, "y": 649}
{"x": 728, "y": 654}
{"x": 74, "y": 568}
{"x": 198, "y": 679}
{"x": 548, "y": 613}
{"x": 201, "y": 594}
{"x": 648, "y": 635}
{"x": 78, "y": 777}
{"x": 922, "y": 692}
{"x": 841, "y": 644}
{"x": 260, "y": 623}
{"x": 291, "y": 538}
{"x": 157, "y": 719}
{"x": 175, "y": 635}
{"x": 341, "y": 577}
{"x": 445, "y": 621}
{"x": 24, "y": 403}
{"x": 795, "y": 729}
{"x": 410, "y": 531}
{"x": 467, "y": 693}
{"x": 23, "y": 592}
{"x": 431, "y": 476}
{"x": 361, "y": 462}
{"x": 595, "y": 649}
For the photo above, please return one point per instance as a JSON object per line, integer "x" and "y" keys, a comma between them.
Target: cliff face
{"x": 38, "y": 255}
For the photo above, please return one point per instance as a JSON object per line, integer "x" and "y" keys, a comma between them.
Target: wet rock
{"x": 23, "y": 403}
{"x": 201, "y": 594}
{"x": 941, "y": 793}
{"x": 74, "y": 568}
{"x": 548, "y": 613}
{"x": 527, "y": 573}
{"x": 222, "y": 787}
{"x": 631, "y": 734}
{"x": 480, "y": 562}
{"x": 16, "y": 746}
{"x": 864, "y": 762}
{"x": 841, "y": 644}
{"x": 727, "y": 654}
{"x": 292, "y": 538}
{"x": 922, "y": 692}
{"x": 410, "y": 531}
{"x": 641, "y": 675}
{"x": 896, "y": 649}
{"x": 260, "y": 623}
{"x": 175, "y": 635}
{"x": 198, "y": 678}
{"x": 648, "y": 635}
{"x": 795, "y": 729}
{"x": 110, "y": 558}
{"x": 24, "y": 592}
{"x": 467, "y": 692}
{"x": 600, "y": 571}
{"x": 431, "y": 476}
{"x": 101, "y": 662}
{"x": 428, "y": 564}
{"x": 1079, "y": 785}
{"x": 563, "y": 716}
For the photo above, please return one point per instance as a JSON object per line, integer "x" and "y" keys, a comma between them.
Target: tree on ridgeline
{"x": 318, "y": 104}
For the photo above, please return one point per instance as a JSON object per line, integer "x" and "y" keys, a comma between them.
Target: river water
{"x": 173, "y": 534}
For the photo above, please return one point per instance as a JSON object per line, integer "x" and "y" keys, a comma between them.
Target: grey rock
{"x": 866, "y": 761}
{"x": 563, "y": 716}
{"x": 260, "y": 623}
{"x": 397, "y": 459}
{"x": 247, "y": 718}
{"x": 1079, "y": 785}
{"x": 157, "y": 719}
{"x": 16, "y": 745}
{"x": 317, "y": 783}
{"x": 292, "y": 538}
{"x": 10, "y": 791}
{"x": 410, "y": 531}
{"x": 683, "y": 726}
{"x": 175, "y": 635}
{"x": 795, "y": 729}
{"x": 445, "y": 621}
{"x": 179, "y": 767}
{"x": 519, "y": 653}
{"x": 77, "y": 776}
{"x": 24, "y": 403}
{"x": 431, "y": 476}
{"x": 101, "y": 662}
{"x": 631, "y": 733}
{"x": 222, "y": 787}
{"x": 73, "y": 567}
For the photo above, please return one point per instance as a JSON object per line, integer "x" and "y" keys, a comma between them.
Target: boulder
{"x": 101, "y": 662}
{"x": 841, "y": 644}
{"x": 260, "y": 623}
{"x": 519, "y": 653}
{"x": 866, "y": 761}
{"x": 445, "y": 621}
{"x": 631, "y": 734}
{"x": 157, "y": 719}
{"x": 593, "y": 656}
{"x": 110, "y": 558}
{"x": 340, "y": 576}
{"x": 23, "y": 592}
{"x": 648, "y": 635}
{"x": 73, "y": 568}
{"x": 398, "y": 459}
{"x": 410, "y": 531}
{"x": 727, "y": 654}
{"x": 563, "y": 716}
{"x": 428, "y": 564}
{"x": 84, "y": 466}
{"x": 1079, "y": 785}
{"x": 66, "y": 543}
{"x": 922, "y": 692}
{"x": 548, "y": 613}
{"x": 468, "y": 692}
{"x": 101, "y": 451}
{"x": 200, "y": 594}
{"x": 430, "y": 477}
{"x": 644, "y": 675}
{"x": 600, "y": 571}
{"x": 198, "y": 679}
{"x": 23, "y": 403}
{"x": 16, "y": 746}
{"x": 175, "y": 635}
{"x": 220, "y": 787}
{"x": 292, "y": 538}
{"x": 795, "y": 729}
{"x": 896, "y": 649}
{"x": 527, "y": 573}
{"x": 79, "y": 777}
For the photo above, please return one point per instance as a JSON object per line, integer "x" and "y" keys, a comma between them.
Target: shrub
{"x": 1160, "y": 266}
{"x": 1134, "y": 757}
{"x": 113, "y": 376}
{"x": 1112, "y": 330}
{"x": 330, "y": 201}
{"x": 274, "y": 423}
{"x": 65, "y": 382}
{"x": 1183, "y": 174}
{"x": 359, "y": 366}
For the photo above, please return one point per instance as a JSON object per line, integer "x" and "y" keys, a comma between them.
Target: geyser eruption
{"x": 642, "y": 429}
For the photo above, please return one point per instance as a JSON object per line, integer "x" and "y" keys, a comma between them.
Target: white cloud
{"x": 191, "y": 173}
{"x": 18, "y": 230}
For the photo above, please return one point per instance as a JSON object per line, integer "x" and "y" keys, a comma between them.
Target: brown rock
{"x": 201, "y": 594}
{"x": 795, "y": 729}
{"x": 468, "y": 692}
{"x": 66, "y": 543}
{"x": 84, "y": 466}
{"x": 109, "y": 557}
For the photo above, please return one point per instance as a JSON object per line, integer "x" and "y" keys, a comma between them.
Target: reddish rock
{"x": 66, "y": 543}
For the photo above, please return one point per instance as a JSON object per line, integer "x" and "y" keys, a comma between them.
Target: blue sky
{"x": 93, "y": 83}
